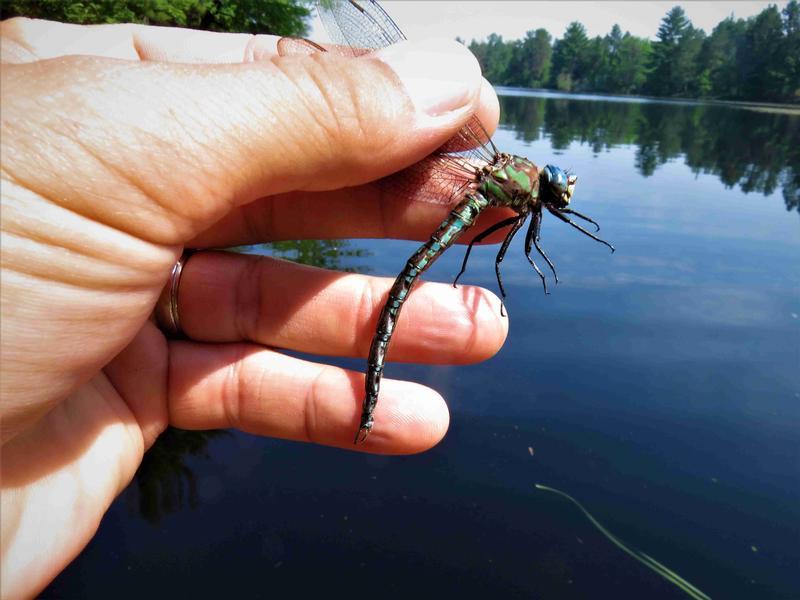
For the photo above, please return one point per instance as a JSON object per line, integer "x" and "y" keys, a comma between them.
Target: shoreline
{"x": 793, "y": 109}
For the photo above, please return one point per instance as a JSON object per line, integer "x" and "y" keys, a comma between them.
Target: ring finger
{"x": 227, "y": 297}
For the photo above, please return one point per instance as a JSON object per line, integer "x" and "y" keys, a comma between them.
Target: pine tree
{"x": 791, "y": 52}
{"x": 672, "y": 54}
{"x": 569, "y": 58}
{"x": 761, "y": 64}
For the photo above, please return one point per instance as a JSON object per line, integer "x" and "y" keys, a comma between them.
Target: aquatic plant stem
{"x": 643, "y": 558}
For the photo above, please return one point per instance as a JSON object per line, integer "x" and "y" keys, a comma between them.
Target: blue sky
{"x": 476, "y": 19}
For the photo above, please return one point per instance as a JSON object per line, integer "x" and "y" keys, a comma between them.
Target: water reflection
{"x": 164, "y": 482}
{"x": 336, "y": 255}
{"x": 756, "y": 150}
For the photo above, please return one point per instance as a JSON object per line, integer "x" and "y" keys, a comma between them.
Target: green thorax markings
{"x": 513, "y": 181}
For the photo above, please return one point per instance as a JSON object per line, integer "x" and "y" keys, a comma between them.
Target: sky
{"x": 473, "y": 19}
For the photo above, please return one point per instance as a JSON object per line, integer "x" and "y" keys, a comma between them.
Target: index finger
{"x": 29, "y": 40}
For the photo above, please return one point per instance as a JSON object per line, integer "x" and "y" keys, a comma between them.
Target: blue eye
{"x": 556, "y": 177}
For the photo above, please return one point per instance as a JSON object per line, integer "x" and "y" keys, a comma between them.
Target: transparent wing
{"x": 451, "y": 171}
{"x": 360, "y": 24}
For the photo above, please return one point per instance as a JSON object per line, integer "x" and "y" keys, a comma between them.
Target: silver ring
{"x": 166, "y": 312}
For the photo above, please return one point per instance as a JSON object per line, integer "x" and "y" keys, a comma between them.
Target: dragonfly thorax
{"x": 556, "y": 186}
{"x": 511, "y": 181}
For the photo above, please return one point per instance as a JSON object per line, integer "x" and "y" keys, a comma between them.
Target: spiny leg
{"x": 480, "y": 237}
{"x": 529, "y": 244}
{"x": 519, "y": 221}
{"x": 581, "y": 216}
{"x": 538, "y": 228}
{"x": 578, "y": 227}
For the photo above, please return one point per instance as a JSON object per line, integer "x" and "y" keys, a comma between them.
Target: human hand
{"x": 123, "y": 144}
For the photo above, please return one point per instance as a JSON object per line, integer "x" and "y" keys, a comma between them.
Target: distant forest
{"x": 756, "y": 59}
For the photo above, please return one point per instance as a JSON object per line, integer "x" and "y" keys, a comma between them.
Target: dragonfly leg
{"x": 569, "y": 211}
{"x": 529, "y": 238}
{"x": 539, "y": 249}
{"x": 518, "y": 222}
{"x": 480, "y": 237}
{"x": 558, "y": 215}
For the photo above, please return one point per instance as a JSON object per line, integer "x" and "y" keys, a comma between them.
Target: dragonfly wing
{"x": 360, "y": 24}
{"x": 441, "y": 178}
{"x": 471, "y": 138}
{"x": 365, "y": 26}
{"x": 293, "y": 46}
{"x": 357, "y": 27}
{"x": 430, "y": 181}
{"x": 453, "y": 169}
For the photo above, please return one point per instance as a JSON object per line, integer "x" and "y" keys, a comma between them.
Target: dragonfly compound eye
{"x": 558, "y": 186}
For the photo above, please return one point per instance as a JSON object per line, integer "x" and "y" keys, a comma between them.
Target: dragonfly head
{"x": 556, "y": 186}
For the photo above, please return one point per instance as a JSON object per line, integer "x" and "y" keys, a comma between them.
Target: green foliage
{"x": 629, "y": 70}
{"x": 530, "y": 60}
{"x": 494, "y": 54}
{"x": 564, "y": 82}
{"x": 571, "y": 57}
{"x": 790, "y": 66}
{"x": 674, "y": 63}
{"x": 755, "y": 59}
{"x": 279, "y": 17}
{"x": 760, "y": 55}
{"x": 719, "y": 58}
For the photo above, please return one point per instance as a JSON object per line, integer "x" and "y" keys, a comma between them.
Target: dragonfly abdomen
{"x": 461, "y": 218}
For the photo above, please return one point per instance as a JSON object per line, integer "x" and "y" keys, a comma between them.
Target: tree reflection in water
{"x": 758, "y": 150}
{"x": 164, "y": 483}
{"x": 326, "y": 254}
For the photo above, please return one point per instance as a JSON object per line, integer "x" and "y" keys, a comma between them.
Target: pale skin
{"x": 121, "y": 145}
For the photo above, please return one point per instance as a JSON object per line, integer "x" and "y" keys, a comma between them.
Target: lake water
{"x": 659, "y": 386}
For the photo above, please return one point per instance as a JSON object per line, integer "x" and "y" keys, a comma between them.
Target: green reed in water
{"x": 647, "y": 561}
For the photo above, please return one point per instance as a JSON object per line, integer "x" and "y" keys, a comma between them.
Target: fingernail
{"x": 440, "y": 76}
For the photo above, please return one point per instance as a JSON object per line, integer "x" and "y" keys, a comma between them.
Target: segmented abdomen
{"x": 461, "y": 218}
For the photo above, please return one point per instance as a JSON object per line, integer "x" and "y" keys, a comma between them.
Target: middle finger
{"x": 227, "y": 297}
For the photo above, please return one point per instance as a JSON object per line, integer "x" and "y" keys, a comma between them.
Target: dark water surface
{"x": 659, "y": 386}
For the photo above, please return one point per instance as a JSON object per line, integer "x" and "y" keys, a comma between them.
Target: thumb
{"x": 161, "y": 151}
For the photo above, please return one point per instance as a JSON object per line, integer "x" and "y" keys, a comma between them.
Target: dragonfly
{"x": 468, "y": 172}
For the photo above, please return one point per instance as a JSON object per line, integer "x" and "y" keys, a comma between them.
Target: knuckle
{"x": 232, "y": 387}
{"x": 345, "y": 105}
{"x": 18, "y": 30}
{"x": 311, "y": 407}
{"x": 249, "y": 300}
{"x": 367, "y": 305}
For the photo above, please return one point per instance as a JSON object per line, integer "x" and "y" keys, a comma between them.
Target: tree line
{"x": 756, "y": 59}
{"x": 278, "y": 17}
